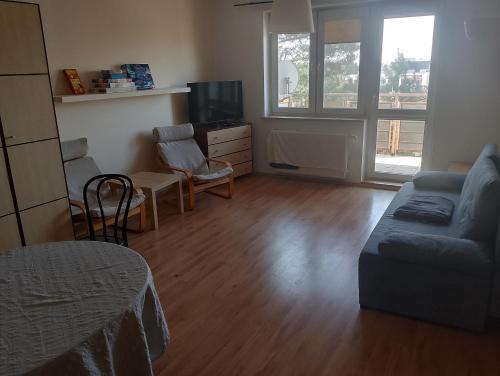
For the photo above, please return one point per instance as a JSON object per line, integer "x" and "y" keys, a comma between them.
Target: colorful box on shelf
{"x": 74, "y": 81}
{"x": 140, "y": 74}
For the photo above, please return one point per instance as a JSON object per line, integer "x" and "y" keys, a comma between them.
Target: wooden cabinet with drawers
{"x": 231, "y": 143}
{"x": 34, "y": 206}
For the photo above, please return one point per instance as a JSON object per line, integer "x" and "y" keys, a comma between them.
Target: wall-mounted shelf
{"x": 101, "y": 97}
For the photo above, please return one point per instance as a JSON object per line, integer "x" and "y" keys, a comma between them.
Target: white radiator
{"x": 308, "y": 150}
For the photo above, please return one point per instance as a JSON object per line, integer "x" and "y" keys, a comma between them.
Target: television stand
{"x": 229, "y": 141}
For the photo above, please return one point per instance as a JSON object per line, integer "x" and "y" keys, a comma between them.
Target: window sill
{"x": 323, "y": 118}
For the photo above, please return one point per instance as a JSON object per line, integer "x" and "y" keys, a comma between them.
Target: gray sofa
{"x": 443, "y": 273}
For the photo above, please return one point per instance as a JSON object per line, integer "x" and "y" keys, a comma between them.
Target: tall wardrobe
{"x": 34, "y": 206}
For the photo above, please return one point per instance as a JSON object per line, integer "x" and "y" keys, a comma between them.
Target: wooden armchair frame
{"x": 140, "y": 211}
{"x": 196, "y": 187}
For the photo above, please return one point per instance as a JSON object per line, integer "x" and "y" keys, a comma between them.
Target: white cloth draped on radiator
{"x": 308, "y": 149}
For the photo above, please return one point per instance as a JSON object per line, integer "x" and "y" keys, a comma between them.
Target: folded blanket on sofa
{"x": 435, "y": 209}
{"x": 463, "y": 255}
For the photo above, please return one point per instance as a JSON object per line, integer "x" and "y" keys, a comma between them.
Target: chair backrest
{"x": 122, "y": 184}
{"x": 79, "y": 167}
{"x": 177, "y": 148}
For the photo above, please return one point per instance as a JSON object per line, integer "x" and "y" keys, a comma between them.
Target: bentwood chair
{"x": 105, "y": 197}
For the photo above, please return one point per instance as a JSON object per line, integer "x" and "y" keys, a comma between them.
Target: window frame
{"x": 375, "y": 113}
{"x": 414, "y": 113}
{"x": 369, "y": 76}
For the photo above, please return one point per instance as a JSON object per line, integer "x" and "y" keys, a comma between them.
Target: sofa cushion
{"x": 444, "y": 252}
{"x": 425, "y": 208}
{"x": 439, "y": 180}
{"x": 479, "y": 207}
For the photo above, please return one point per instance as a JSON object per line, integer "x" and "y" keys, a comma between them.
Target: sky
{"x": 412, "y": 35}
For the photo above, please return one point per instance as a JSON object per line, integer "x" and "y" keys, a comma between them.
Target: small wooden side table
{"x": 151, "y": 183}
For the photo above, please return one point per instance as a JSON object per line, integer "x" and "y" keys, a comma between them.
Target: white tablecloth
{"x": 78, "y": 308}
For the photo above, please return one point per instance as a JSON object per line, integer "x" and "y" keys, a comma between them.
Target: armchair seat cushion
{"x": 213, "y": 174}
{"x": 110, "y": 204}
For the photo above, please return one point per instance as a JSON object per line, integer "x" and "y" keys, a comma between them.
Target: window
{"x": 293, "y": 70}
{"x": 301, "y": 85}
{"x": 342, "y": 44}
{"x": 406, "y": 62}
{"x": 399, "y": 146}
{"x": 372, "y": 62}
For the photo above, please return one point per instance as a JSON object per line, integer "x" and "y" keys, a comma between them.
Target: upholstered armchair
{"x": 80, "y": 168}
{"x": 179, "y": 153}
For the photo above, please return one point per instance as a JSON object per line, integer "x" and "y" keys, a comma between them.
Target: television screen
{"x": 215, "y": 101}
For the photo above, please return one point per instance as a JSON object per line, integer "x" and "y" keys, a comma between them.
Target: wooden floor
{"x": 266, "y": 284}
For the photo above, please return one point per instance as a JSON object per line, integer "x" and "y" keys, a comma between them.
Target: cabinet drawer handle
{"x": 9, "y": 137}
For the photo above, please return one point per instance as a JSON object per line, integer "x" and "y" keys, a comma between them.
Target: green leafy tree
{"x": 341, "y": 66}
{"x": 296, "y": 48}
{"x": 397, "y": 78}
{"x": 341, "y": 73}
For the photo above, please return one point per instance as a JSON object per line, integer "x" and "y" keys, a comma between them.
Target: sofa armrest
{"x": 464, "y": 255}
{"x": 439, "y": 180}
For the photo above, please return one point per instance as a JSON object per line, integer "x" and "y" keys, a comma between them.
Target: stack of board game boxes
{"x": 113, "y": 81}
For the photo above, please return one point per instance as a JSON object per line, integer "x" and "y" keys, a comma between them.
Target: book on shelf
{"x": 114, "y": 76}
{"x": 114, "y": 84}
{"x": 111, "y": 71}
{"x": 110, "y": 90}
{"x": 74, "y": 81}
{"x": 111, "y": 80}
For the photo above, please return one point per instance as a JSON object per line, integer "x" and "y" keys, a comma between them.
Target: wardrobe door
{"x": 38, "y": 173}
{"x": 47, "y": 223}
{"x": 9, "y": 233}
{"x": 21, "y": 39}
{"x": 26, "y": 109}
{"x": 6, "y": 204}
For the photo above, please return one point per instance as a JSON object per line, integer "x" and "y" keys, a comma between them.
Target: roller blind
{"x": 342, "y": 31}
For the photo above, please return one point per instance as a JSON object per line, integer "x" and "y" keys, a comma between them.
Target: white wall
{"x": 236, "y": 52}
{"x": 467, "y": 108}
{"x": 467, "y": 113}
{"x": 93, "y": 34}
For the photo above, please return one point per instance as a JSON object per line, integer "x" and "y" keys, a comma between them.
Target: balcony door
{"x": 399, "y": 112}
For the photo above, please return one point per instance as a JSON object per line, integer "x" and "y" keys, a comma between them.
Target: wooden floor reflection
{"x": 266, "y": 284}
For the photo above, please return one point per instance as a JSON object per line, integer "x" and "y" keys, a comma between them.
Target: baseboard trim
{"x": 383, "y": 185}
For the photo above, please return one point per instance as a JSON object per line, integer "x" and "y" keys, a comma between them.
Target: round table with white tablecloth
{"x": 78, "y": 308}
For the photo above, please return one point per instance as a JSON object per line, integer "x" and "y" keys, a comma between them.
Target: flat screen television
{"x": 215, "y": 101}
